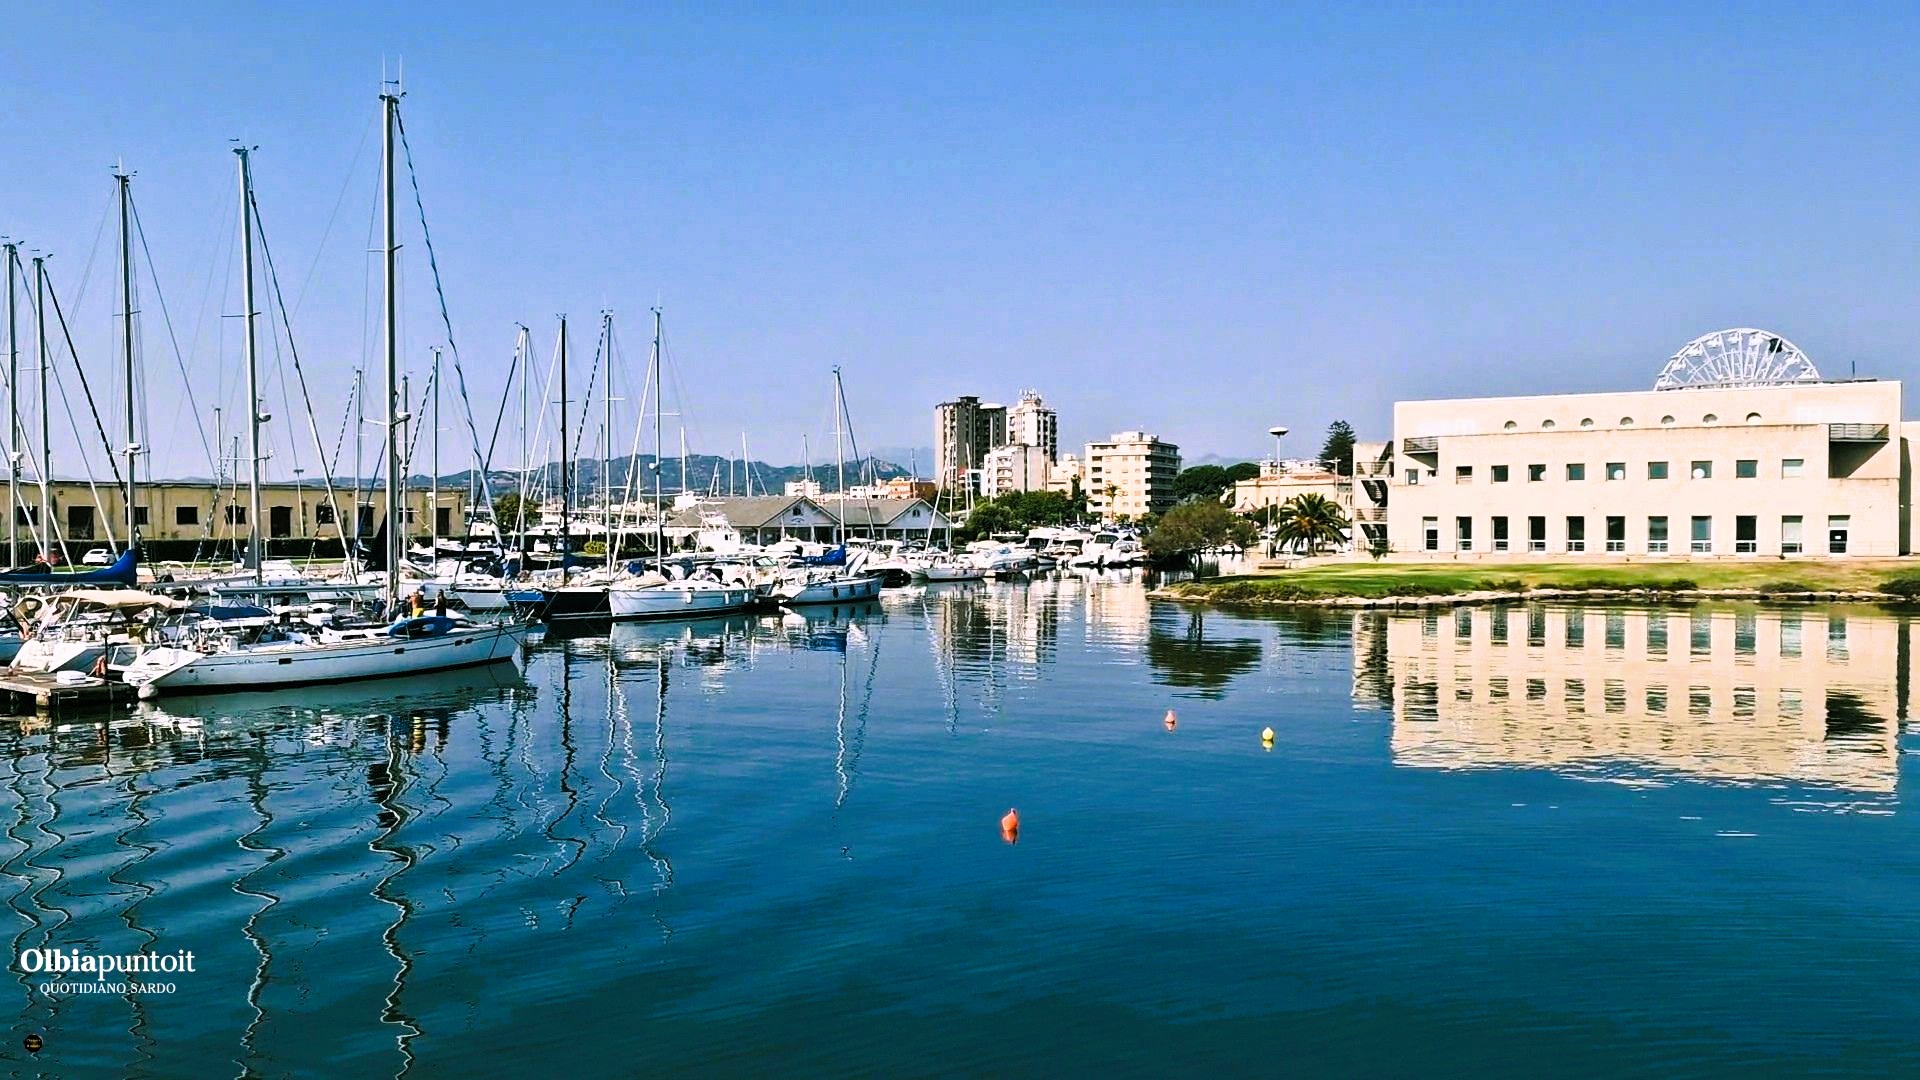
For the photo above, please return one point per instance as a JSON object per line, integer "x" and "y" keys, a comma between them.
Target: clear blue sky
{"x": 1198, "y": 220}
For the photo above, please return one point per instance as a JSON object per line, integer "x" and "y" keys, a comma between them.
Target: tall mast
{"x": 606, "y": 441}
{"x": 433, "y": 479}
{"x": 46, "y": 409}
{"x": 659, "y": 499}
{"x": 254, "y": 535}
{"x": 839, "y": 456}
{"x": 390, "y": 109}
{"x": 566, "y": 479}
{"x": 746, "y": 470}
{"x": 523, "y": 342}
{"x": 13, "y": 410}
{"x": 359, "y": 477}
{"x": 683, "y": 459}
{"x": 126, "y": 307}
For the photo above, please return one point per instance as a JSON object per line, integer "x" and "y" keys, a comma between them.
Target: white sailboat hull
{"x": 677, "y": 601}
{"x": 275, "y": 667}
{"x": 482, "y": 598}
{"x": 831, "y": 591}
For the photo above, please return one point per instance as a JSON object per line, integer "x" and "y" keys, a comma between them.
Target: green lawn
{"x": 1371, "y": 579}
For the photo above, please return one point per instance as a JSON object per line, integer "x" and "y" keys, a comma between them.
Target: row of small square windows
{"x": 1627, "y": 421}
{"x": 1743, "y": 469}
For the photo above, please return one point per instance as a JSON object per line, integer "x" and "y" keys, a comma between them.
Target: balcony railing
{"x": 1856, "y": 433}
{"x": 1423, "y": 444}
{"x": 1372, "y": 515}
{"x": 1365, "y": 469}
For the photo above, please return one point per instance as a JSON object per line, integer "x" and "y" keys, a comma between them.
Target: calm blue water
{"x": 1575, "y": 843}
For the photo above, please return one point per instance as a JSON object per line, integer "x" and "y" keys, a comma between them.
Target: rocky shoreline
{"x": 1508, "y": 596}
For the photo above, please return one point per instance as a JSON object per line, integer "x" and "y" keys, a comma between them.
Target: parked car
{"x": 97, "y": 557}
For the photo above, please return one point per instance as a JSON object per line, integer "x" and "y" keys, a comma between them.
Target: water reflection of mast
{"x": 846, "y": 762}
{"x": 939, "y": 638}
{"x": 137, "y": 852}
{"x": 46, "y": 827}
{"x": 385, "y": 781}
{"x": 29, "y": 921}
{"x": 616, "y": 713}
{"x": 656, "y": 813}
{"x": 257, "y": 801}
{"x": 551, "y": 828}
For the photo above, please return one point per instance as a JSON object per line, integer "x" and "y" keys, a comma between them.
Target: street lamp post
{"x": 1278, "y": 433}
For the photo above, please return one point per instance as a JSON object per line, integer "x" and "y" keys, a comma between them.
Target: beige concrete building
{"x": 1129, "y": 475}
{"x": 1067, "y": 475}
{"x": 1031, "y": 423}
{"x": 197, "y": 510}
{"x": 1282, "y": 480}
{"x": 1738, "y": 693}
{"x": 1796, "y": 469}
{"x": 1013, "y": 467}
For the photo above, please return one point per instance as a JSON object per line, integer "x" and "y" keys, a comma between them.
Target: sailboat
{"x": 570, "y": 602}
{"x": 834, "y": 578}
{"x": 275, "y": 654}
{"x": 666, "y": 598}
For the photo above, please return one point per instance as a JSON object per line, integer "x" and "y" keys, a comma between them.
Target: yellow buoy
{"x": 1172, "y": 720}
{"x": 1266, "y": 735}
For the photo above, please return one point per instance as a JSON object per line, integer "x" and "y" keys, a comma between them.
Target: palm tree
{"x": 1310, "y": 521}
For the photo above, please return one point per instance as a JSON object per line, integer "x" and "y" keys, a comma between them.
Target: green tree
{"x": 1020, "y": 511}
{"x": 1190, "y": 528}
{"x": 1245, "y": 470}
{"x": 1337, "y": 451}
{"x": 507, "y": 509}
{"x": 1207, "y": 482}
{"x": 1309, "y": 522}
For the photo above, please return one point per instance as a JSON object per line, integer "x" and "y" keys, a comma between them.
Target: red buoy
{"x": 1010, "y": 826}
{"x": 1172, "y": 720}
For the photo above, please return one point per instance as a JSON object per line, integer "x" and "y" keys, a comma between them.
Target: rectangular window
{"x": 1499, "y": 534}
{"x": 1656, "y": 536}
{"x": 1430, "y": 533}
{"x": 1792, "y": 534}
{"x": 1616, "y": 630}
{"x": 236, "y": 515}
{"x": 1463, "y": 474}
{"x": 1536, "y": 627}
{"x": 26, "y": 515}
{"x": 1656, "y": 634}
{"x": 1656, "y": 470}
{"x": 1463, "y": 534}
{"x": 1703, "y": 536}
{"x": 1616, "y": 535}
{"x": 1463, "y": 623}
{"x": 1700, "y": 635}
{"x": 139, "y": 515}
{"x": 1746, "y": 469}
{"x": 1576, "y": 533}
{"x": 1577, "y": 471}
{"x": 1499, "y": 474}
{"x": 1746, "y": 633}
{"x": 1536, "y": 473}
{"x": 1837, "y": 528}
{"x": 186, "y": 515}
{"x": 1746, "y": 534}
{"x": 1701, "y": 470}
{"x": 1497, "y": 626}
{"x": 1576, "y": 629}
{"x": 323, "y": 514}
{"x": 1836, "y": 637}
{"x": 1616, "y": 470}
{"x": 80, "y": 522}
{"x": 1536, "y": 534}
{"x": 1413, "y": 477}
{"x": 1792, "y": 467}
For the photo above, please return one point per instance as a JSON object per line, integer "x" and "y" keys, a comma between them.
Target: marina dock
{"x": 30, "y": 693}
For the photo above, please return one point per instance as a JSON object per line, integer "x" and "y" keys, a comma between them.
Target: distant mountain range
{"x": 705, "y": 472}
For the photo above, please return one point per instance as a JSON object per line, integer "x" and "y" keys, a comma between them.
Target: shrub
{"x": 1679, "y": 584}
{"x": 1512, "y": 584}
{"x": 1773, "y": 587}
{"x": 1906, "y": 586}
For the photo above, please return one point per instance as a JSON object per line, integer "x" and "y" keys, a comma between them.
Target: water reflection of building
{"x": 1737, "y": 694}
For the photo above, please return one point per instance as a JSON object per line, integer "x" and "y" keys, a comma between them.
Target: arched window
{"x": 1626, "y": 421}
{"x": 1510, "y": 425}
{"x": 1546, "y": 423}
{"x": 1667, "y": 421}
{"x": 1753, "y": 418}
{"x": 1710, "y": 418}
{"x": 1586, "y": 421}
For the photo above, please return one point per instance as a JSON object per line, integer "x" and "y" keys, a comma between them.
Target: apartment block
{"x": 1130, "y": 475}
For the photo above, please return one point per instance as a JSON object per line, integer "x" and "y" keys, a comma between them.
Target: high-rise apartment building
{"x": 1131, "y": 474}
{"x": 1031, "y": 423}
{"x": 964, "y": 429}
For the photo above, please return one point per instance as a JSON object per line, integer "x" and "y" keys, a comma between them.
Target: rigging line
{"x": 426, "y": 236}
{"x": 280, "y": 301}
{"x": 338, "y": 202}
{"x": 86, "y": 462}
{"x": 92, "y": 407}
{"x": 586, "y": 403}
{"x": 494, "y": 440}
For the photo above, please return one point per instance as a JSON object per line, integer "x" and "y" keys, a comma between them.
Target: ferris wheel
{"x": 1743, "y": 357}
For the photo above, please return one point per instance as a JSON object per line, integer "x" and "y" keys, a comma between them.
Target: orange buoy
{"x": 1010, "y": 826}
{"x": 1172, "y": 720}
